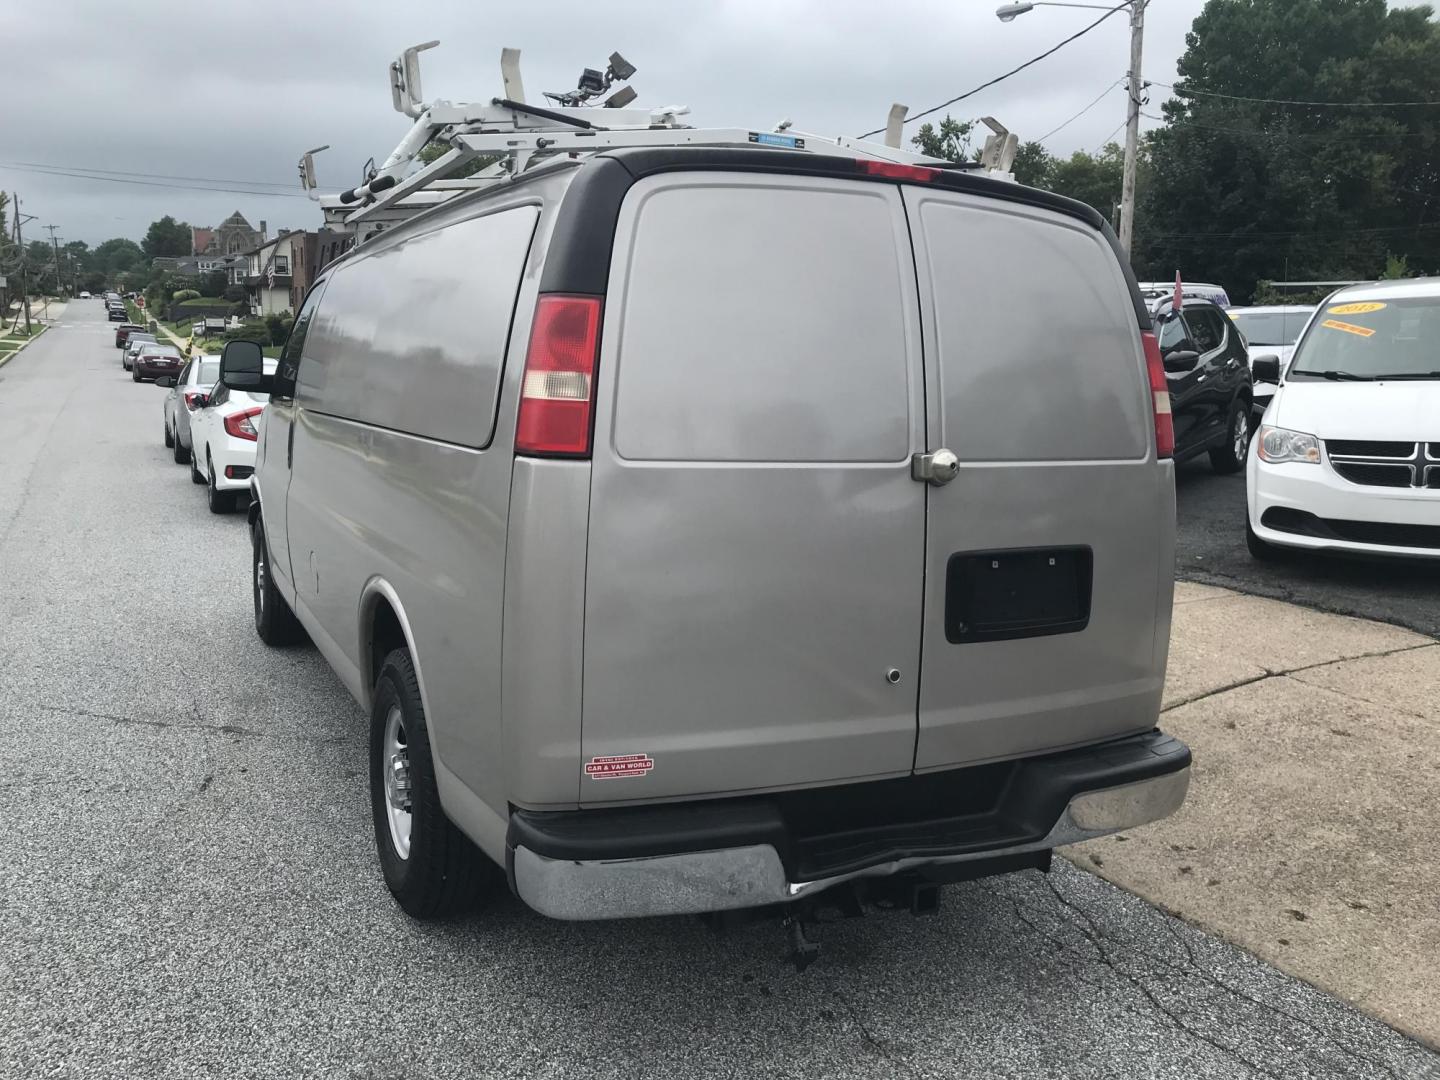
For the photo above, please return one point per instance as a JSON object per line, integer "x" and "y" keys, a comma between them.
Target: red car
{"x": 122, "y": 334}
{"x": 155, "y": 361}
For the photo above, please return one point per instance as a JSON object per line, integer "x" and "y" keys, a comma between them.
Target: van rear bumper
{"x": 722, "y": 854}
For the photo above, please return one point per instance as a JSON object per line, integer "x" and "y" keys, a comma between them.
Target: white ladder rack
{"x": 520, "y": 137}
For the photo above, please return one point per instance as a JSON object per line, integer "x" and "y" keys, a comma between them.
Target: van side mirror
{"x": 1265, "y": 368}
{"x": 242, "y": 367}
{"x": 1181, "y": 360}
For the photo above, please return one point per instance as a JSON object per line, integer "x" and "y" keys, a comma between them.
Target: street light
{"x": 1008, "y": 12}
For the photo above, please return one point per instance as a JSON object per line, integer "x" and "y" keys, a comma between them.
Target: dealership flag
{"x": 1179, "y": 292}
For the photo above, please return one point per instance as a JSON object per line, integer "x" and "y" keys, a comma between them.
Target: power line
{"x": 1109, "y": 138}
{"x": 1082, "y": 112}
{"x": 1012, "y": 71}
{"x": 47, "y": 171}
{"x": 1291, "y": 101}
{"x": 153, "y": 176}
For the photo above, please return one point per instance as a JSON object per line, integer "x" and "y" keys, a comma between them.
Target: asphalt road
{"x": 1211, "y": 549}
{"x": 189, "y": 888}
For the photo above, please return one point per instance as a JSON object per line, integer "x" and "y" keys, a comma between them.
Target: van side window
{"x": 412, "y": 335}
{"x": 289, "y": 365}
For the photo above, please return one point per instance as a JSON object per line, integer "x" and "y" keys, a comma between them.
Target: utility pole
{"x": 24, "y": 259}
{"x": 1132, "y": 126}
{"x": 55, "y": 245}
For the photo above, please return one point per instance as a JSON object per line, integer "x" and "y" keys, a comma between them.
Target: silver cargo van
{"x": 705, "y": 528}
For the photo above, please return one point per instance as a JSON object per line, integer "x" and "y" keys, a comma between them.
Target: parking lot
{"x": 1211, "y": 549}
{"x": 190, "y": 889}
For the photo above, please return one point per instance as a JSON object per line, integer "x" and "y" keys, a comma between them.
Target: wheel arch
{"x": 384, "y": 625}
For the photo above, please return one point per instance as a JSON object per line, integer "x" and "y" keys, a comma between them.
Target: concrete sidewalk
{"x": 1309, "y": 834}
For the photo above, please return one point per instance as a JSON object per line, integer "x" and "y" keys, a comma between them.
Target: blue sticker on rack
{"x": 765, "y": 138}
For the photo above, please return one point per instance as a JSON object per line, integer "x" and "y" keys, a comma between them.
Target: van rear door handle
{"x": 938, "y": 468}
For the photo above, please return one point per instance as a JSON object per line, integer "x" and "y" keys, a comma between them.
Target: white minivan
{"x": 709, "y": 528}
{"x": 1348, "y": 456}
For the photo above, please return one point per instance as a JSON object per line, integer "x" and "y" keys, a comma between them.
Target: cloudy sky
{"x": 234, "y": 92}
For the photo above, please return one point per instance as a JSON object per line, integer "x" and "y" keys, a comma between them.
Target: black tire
{"x": 181, "y": 455}
{"x": 443, "y": 872}
{"x": 169, "y": 439}
{"x": 274, "y": 621}
{"x": 134, "y": 374}
{"x": 196, "y": 476}
{"x": 1262, "y": 549}
{"x": 1229, "y": 456}
{"x": 221, "y": 502}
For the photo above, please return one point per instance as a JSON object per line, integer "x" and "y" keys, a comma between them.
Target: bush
{"x": 213, "y": 284}
{"x": 253, "y": 330}
{"x": 235, "y": 294}
{"x": 183, "y": 295}
{"x": 278, "y": 327}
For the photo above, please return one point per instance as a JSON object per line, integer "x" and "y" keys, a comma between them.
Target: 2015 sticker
{"x": 1349, "y": 328}
{"x": 1355, "y": 309}
{"x": 618, "y": 766}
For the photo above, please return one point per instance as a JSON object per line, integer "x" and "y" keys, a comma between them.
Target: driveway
{"x": 190, "y": 888}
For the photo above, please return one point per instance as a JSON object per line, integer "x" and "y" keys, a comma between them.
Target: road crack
{"x": 1091, "y": 930}
{"x": 1270, "y": 673}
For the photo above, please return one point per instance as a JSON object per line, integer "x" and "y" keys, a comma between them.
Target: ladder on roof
{"x": 520, "y": 137}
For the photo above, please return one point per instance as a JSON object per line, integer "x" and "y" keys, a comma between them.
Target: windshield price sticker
{"x": 1349, "y": 328}
{"x": 1354, "y": 309}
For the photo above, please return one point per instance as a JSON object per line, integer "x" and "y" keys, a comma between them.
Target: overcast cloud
{"x": 238, "y": 91}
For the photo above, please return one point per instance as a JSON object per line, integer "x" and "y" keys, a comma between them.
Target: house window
{"x": 282, "y": 264}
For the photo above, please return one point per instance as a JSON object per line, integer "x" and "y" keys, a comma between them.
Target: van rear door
{"x": 1050, "y": 553}
{"x": 755, "y": 565}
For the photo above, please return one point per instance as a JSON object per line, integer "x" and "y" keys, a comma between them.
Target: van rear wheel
{"x": 274, "y": 621}
{"x": 430, "y": 867}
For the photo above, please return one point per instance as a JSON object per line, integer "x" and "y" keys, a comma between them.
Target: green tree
{"x": 1243, "y": 190}
{"x": 166, "y": 237}
{"x": 213, "y": 283}
{"x": 1091, "y": 178}
{"x": 951, "y": 140}
{"x": 115, "y": 256}
{"x": 1032, "y": 165}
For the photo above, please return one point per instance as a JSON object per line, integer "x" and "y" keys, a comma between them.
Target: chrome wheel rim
{"x": 1242, "y": 436}
{"x": 395, "y": 763}
{"x": 260, "y": 578}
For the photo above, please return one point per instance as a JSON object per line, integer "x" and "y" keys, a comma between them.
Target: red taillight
{"x": 242, "y": 424}
{"x": 920, "y": 174}
{"x": 1160, "y": 397}
{"x": 557, "y": 396}
{"x": 190, "y": 396}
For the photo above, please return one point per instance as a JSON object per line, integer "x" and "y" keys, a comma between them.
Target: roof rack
{"x": 516, "y": 137}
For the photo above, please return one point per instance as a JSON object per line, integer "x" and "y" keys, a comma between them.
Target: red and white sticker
{"x": 618, "y": 766}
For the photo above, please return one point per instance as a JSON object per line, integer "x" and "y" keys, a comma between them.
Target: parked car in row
{"x": 118, "y": 314}
{"x": 187, "y": 390}
{"x": 122, "y": 334}
{"x": 224, "y": 427}
{"x": 153, "y": 361}
{"x": 781, "y": 601}
{"x": 134, "y": 341}
{"x": 1348, "y": 458}
{"x": 1207, "y": 373}
{"x": 1270, "y": 331}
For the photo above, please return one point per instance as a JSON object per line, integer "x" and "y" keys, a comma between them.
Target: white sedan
{"x": 1348, "y": 455}
{"x": 224, "y": 433}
